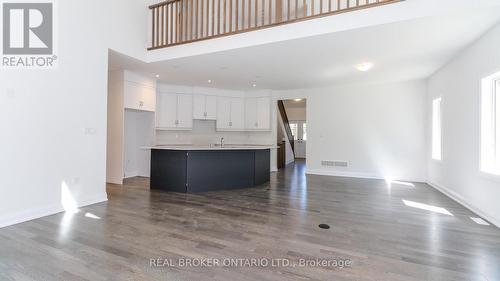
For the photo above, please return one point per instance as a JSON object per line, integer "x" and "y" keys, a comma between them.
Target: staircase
{"x": 286, "y": 123}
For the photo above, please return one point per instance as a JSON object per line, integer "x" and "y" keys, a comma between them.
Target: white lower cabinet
{"x": 174, "y": 111}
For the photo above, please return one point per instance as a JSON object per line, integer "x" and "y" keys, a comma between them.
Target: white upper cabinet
{"x": 166, "y": 113}
{"x": 251, "y": 114}
{"x": 139, "y": 92}
{"x": 223, "y": 113}
{"x": 211, "y": 107}
{"x": 264, "y": 113}
{"x": 204, "y": 107}
{"x": 230, "y": 114}
{"x": 184, "y": 111}
{"x": 174, "y": 112}
{"x": 258, "y": 113}
{"x": 237, "y": 113}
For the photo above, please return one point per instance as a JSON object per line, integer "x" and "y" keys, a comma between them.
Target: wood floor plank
{"x": 370, "y": 226}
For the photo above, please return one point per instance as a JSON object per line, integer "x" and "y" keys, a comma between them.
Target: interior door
{"x": 299, "y": 129}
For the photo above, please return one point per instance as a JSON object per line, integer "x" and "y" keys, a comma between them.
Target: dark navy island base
{"x": 208, "y": 170}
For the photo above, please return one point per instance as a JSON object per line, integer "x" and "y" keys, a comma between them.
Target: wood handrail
{"x": 286, "y": 123}
{"x": 164, "y": 3}
{"x": 177, "y": 22}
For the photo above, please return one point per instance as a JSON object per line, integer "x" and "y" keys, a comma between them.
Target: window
{"x": 304, "y": 131}
{"x": 436, "y": 129}
{"x": 490, "y": 125}
{"x": 294, "y": 127}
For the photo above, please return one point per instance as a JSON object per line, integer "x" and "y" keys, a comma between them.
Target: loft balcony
{"x": 176, "y": 22}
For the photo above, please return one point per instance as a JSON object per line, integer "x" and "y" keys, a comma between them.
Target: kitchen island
{"x": 208, "y": 168}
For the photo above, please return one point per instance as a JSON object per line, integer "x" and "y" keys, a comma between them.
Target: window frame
{"x": 489, "y": 150}
{"x": 304, "y": 131}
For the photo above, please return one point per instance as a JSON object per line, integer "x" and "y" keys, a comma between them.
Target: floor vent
{"x": 334, "y": 163}
{"x": 324, "y": 226}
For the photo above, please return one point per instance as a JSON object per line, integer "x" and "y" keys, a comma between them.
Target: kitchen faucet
{"x": 221, "y": 142}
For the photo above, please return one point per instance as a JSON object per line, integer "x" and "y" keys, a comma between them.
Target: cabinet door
{"x": 166, "y": 111}
{"x": 148, "y": 98}
{"x": 237, "y": 113}
{"x": 264, "y": 113}
{"x": 132, "y": 95}
{"x": 223, "y": 113}
{"x": 139, "y": 97}
{"x": 184, "y": 111}
{"x": 251, "y": 114}
{"x": 211, "y": 107}
{"x": 199, "y": 110}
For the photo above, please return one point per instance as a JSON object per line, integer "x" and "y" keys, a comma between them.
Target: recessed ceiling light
{"x": 254, "y": 85}
{"x": 157, "y": 75}
{"x": 365, "y": 66}
{"x": 209, "y": 81}
{"x": 297, "y": 99}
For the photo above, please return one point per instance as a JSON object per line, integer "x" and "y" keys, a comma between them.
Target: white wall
{"x": 459, "y": 85}
{"x": 53, "y": 122}
{"x": 379, "y": 129}
{"x": 138, "y": 134}
{"x": 115, "y": 128}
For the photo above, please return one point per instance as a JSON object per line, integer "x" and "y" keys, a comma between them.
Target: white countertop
{"x": 208, "y": 147}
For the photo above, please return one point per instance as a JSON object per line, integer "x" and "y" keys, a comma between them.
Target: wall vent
{"x": 330, "y": 163}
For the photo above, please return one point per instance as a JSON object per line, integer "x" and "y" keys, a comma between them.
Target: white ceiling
{"x": 295, "y": 104}
{"x": 400, "y": 51}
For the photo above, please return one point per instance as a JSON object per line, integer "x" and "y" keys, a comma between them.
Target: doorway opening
{"x": 292, "y": 131}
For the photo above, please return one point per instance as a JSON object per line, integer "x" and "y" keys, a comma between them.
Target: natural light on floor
{"x": 479, "y": 221}
{"x": 427, "y": 207}
{"x": 392, "y": 183}
{"x": 92, "y": 216}
{"x": 67, "y": 200}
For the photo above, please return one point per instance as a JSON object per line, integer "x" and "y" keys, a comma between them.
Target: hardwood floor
{"x": 370, "y": 225}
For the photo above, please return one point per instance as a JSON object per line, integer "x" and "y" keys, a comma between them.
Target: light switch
{"x": 90, "y": 131}
{"x": 11, "y": 93}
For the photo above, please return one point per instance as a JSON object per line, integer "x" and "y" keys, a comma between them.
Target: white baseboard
{"x": 344, "y": 174}
{"x": 356, "y": 175}
{"x": 36, "y": 213}
{"x": 461, "y": 200}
